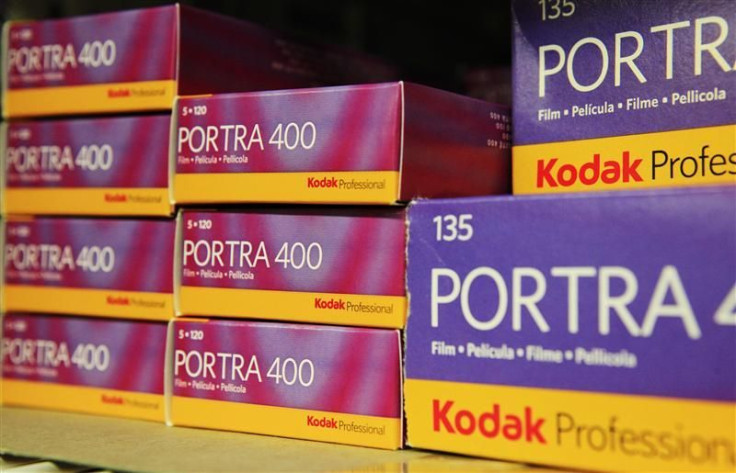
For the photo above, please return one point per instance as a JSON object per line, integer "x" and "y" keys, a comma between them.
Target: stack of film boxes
{"x": 592, "y": 330}
{"x": 89, "y": 235}
{"x": 305, "y": 304}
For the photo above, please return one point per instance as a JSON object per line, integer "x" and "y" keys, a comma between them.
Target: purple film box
{"x": 96, "y": 267}
{"x": 94, "y": 166}
{"x": 141, "y": 59}
{"x": 315, "y": 382}
{"x": 356, "y": 144}
{"x": 318, "y": 265}
{"x": 589, "y": 331}
{"x": 95, "y": 366}
{"x": 623, "y": 94}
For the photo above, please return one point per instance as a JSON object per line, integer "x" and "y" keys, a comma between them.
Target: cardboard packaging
{"x": 623, "y": 95}
{"x": 333, "y": 384}
{"x": 97, "y": 166}
{"x": 96, "y": 267}
{"x": 141, "y": 59}
{"x": 335, "y": 266}
{"x": 584, "y": 331}
{"x": 362, "y": 144}
{"x": 104, "y": 367}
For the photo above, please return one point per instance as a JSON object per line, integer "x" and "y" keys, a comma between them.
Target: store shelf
{"x": 128, "y": 445}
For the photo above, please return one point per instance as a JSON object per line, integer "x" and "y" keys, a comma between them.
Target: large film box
{"x": 316, "y": 382}
{"x": 623, "y": 95}
{"x": 321, "y": 265}
{"x": 362, "y": 144}
{"x": 589, "y": 331}
{"x": 105, "y": 367}
{"x": 97, "y": 267}
{"x": 97, "y": 166}
{"x": 141, "y": 59}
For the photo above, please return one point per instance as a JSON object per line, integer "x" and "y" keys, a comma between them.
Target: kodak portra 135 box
{"x": 141, "y": 59}
{"x": 363, "y": 144}
{"x": 591, "y": 331}
{"x": 316, "y": 382}
{"x": 342, "y": 267}
{"x": 103, "y": 166}
{"x": 98, "y": 267}
{"x": 623, "y": 94}
{"x": 105, "y": 367}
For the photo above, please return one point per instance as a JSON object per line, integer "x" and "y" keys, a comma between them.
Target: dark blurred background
{"x": 462, "y": 45}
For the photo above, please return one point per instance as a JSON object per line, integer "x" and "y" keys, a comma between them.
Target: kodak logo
{"x": 337, "y": 304}
{"x": 590, "y": 173}
{"x": 490, "y": 424}
{"x": 324, "y": 183}
{"x": 324, "y": 422}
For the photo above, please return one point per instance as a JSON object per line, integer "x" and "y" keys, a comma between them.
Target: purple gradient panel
{"x": 136, "y": 352}
{"x": 693, "y": 230}
{"x": 356, "y": 128}
{"x": 145, "y": 48}
{"x": 603, "y": 19}
{"x": 356, "y": 371}
{"x": 361, "y": 254}
{"x": 143, "y": 253}
{"x": 446, "y": 145}
{"x": 139, "y": 145}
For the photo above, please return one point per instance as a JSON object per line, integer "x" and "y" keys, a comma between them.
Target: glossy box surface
{"x": 98, "y": 166}
{"x": 593, "y": 331}
{"x": 322, "y": 265}
{"x": 325, "y": 383}
{"x": 103, "y": 367}
{"x": 363, "y": 144}
{"x": 623, "y": 95}
{"x": 96, "y": 267}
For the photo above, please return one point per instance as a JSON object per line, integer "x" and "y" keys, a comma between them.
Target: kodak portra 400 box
{"x": 334, "y": 384}
{"x": 623, "y": 94}
{"x": 97, "y": 267}
{"x": 141, "y": 59}
{"x": 342, "y": 267}
{"x": 362, "y": 144}
{"x": 106, "y": 367}
{"x": 102, "y": 166}
{"x": 589, "y": 331}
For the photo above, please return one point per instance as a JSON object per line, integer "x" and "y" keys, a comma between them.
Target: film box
{"x": 98, "y": 166}
{"x": 335, "y": 266}
{"x": 591, "y": 331}
{"x": 141, "y": 59}
{"x": 333, "y": 384}
{"x": 623, "y": 95}
{"x": 98, "y": 267}
{"x": 361, "y": 144}
{"x": 95, "y": 366}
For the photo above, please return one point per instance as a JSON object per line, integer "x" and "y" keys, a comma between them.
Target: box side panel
{"x": 613, "y": 311}
{"x": 69, "y": 66}
{"x": 96, "y": 366}
{"x": 103, "y": 166}
{"x": 108, "y": 267}
{"x": 334, "y": 143}
{"x": 596, "y": 69}
{"x": 316, "y": 382}
{"x": 221, "y": 54}
{"x": 319, "y": 268}
{"x": 453, "y": 145}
